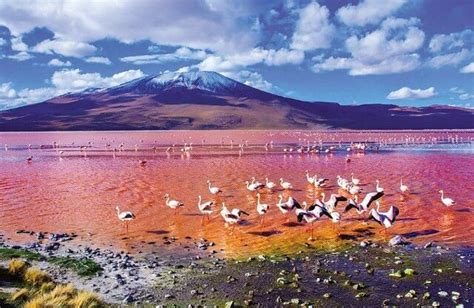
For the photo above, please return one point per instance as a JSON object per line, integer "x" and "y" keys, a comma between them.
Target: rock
{"x": 410, "y": 294}
{"x": 443, "y": 294}
{"x": 426, "y": 296}
{"x": 397, "y": 240}
{"x": 361, "y": 294}
{"x": 279, "y": 299}
{"x": 364, "y": 243}
{"x": 327, "y": 295}
{"x": 168, "y": 296}
{"x": 409, "y": 272}
{"x": 128, "y": 299}
{"x": 386, "y": 302}
{"x": 435, "y": 304}
{"x": 396, "y": 274}
{"x": 295, "y": 301}
{"x": 229, "y": 305}
{"x": 428, "y": 245}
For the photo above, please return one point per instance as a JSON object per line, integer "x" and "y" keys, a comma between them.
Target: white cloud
{"x": 3, "y": 41}
{"x": 238, "y": 61}
{"x": 456, "y": 90}
{"x": 466, "y": 96}
{"x": 6, "y": 91}
{"x": 313, "y": 28}
{"x": 468, "y": 68}
{"x": 21, "y": 56}
{"x": 195, "y": 24}
{"x": 398, "y": 64}
{"x": 453, "y": 58}
{"x": 445, "y": 42}
{"x": 62, "y": 82}
{"x": 100, "y": 60}
{"x": 368, "y": 11}
{"x": 395, "y": 37}
{"x": 407, "y": 93}
{"x": 18, "y": 45}
{"x": 182, "y": 53}
{"x": 252, "y": 79}
{"x": 65, "y": 48}
{"x": 57, "y": 62}
{"x": 74, "y": 80}
{"x": 389, "y": 49}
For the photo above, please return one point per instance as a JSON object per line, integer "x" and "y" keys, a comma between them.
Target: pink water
{"x": 78, "y": 190}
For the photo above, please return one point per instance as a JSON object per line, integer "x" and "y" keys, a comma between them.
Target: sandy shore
{"x": 357, "y": 273}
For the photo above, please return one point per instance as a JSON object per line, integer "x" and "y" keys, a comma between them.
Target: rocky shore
{"x": 356, "y": 274}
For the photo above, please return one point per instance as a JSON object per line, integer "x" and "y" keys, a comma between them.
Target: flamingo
{"x": 310, "y": 179}
{"x": 308, "y": 216}
{"x": 269, "y": 185}
{"x": 262, "y": 208}
{"x": 173, "y": 204}
{"x": 257, "y": 183}
{"x": 355, "y": 181}
{"x": 206, "y": 207}
{"x": 125, "y": 216}
{"x": 378, "y": 187}
{"x": 285, "y": 185}
{"x": 231, "y": 217}
{"x": 386, "y": 219}
{"x": 29, "y": 159}
{"x": 321, "y": 182}
{"x": 213, "y": 189}
{"x": 252, "y": 186}
{"x": 403, "y": 187}
{"x": 354, "y": 189}
{"x": 446, "y": 201}
{"x": 342, "y": 183}
{"x": 365, "y": 204}
{"x": 142, "y": 163}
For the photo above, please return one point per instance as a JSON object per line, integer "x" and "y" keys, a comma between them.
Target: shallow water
{"x": 78, "y": 190}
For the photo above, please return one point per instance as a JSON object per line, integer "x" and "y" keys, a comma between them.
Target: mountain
{"x": 208, "y": 100}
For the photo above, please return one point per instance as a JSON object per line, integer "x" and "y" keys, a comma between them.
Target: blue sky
{"x": 417, "y": 52}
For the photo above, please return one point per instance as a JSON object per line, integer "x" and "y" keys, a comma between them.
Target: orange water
{"x": 78, "y": 192}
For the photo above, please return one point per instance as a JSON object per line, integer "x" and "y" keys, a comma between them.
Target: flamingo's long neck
{"x": 118, "y": 211}
{"x": 323, "y": 197}
{"x": 266, "y": 180}
{"x": 199, "y": 200}
{"x": 258, "y": 199}
{"x": 442, "y": 195}
{"x": 168, "y": 200}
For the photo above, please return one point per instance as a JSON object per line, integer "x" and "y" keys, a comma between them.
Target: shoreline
{"x": 365, "y": 273}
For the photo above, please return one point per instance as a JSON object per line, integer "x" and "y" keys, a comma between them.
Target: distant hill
{"x": 208, "y": 100}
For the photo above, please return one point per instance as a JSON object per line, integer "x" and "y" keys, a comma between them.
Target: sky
{"x": 418, "y": 52}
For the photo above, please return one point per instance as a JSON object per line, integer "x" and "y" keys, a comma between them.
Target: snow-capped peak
{"x": 203, "y": 80}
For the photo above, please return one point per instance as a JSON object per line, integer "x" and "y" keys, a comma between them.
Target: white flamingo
{"x": 231, "y": 217}
{"x": 321, "y": 182}
{"x": 173, "y": 204}
{"x": 403, "y": 187}
{"x": 285, "y": 185}
{"x": 269, "y": 185}
{"x": 252, "y": 186}
{"x": 125, "y": 216}
{"x": 310, "y": 179}
{"x": 355, "y": 181}
{"x": 386, "y": 219}
{"x": 365, "y": 204}
{"x": 262, "y": 208}
{"x": 446, "y": 201}
{"x": 206, "y": 207}
{"x": 213, "y": 189}
{"x": 378, "y": 188}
